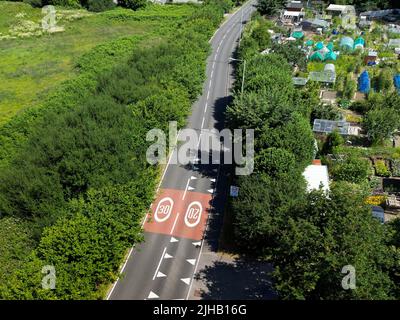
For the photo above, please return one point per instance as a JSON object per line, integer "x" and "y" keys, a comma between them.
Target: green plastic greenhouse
{"x": 319, "y": 46}
{"x": 330, "y": 56}
{"x": 317, "y": 56}
{"x": 359, "y": 43}
{"x": 347, "y": 43}
{"x": 309, "y": 43}
{"x": 298, "y": 34}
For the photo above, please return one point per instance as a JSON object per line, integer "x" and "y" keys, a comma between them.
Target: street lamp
{"x": 244, "y": 71}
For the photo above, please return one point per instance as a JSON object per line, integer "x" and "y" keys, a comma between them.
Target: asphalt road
{"x": 163, "y": 266}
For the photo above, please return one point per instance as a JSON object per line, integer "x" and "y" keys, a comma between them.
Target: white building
{"x": 341, "y": 10}
{"x": 316, "y": 177}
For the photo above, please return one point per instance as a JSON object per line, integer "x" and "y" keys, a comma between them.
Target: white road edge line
{"x": 159, "y": 263}
{"x": 163, "y": 175}
{"x": 122, "y": 270}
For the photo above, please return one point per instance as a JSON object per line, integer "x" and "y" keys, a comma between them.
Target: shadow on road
{"x": 236, "y": 278}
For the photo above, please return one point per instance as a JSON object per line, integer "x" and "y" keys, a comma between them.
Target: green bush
{"x": 133, "y": 4}
{"x": 381, "y": 168}
{"x": 76, "y": 167}
{"x": 395, "y": 167}
{"x": 100, "y": 5}
{"x": 351, "y": 169}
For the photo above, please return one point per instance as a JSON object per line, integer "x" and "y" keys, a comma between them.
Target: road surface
{"x": 163, "y": 266}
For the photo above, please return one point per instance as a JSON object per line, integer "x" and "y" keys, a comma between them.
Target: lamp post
{"x": 244, "y": 71}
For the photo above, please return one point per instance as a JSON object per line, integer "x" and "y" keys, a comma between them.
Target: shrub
{"x": 133, "y": 4}
{"x": 351, "y": 169}
{"x": 395, "y": 168}
{"x": 381, "y": 168}
{"x": 100, "y": 5}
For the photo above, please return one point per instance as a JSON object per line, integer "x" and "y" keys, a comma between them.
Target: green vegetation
{"x": 308, "y": 237}
{"x": 74, "y": 169}
{"x": 33, "y": 66}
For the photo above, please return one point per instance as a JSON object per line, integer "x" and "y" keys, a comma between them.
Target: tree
{"x": 333, "y": 140}
{"x": 318, "y": 240}
{"x": 133, "y": 4}
{"x": 270, "y": 7}
{"x": 385, "y": 81}
{"x": 380, "y": 124}
{"x": 351, "y": 169}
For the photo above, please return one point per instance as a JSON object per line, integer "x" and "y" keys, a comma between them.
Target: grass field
{"x": 31, "y": 65}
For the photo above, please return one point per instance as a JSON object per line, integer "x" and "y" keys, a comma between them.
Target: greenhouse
{"x": 298, "y": 34}
{"x": 330, "y": 56}
{"x": 317, "y": 56}
{"x": 319, "y": 45}
{"x": 364, "y": 82}
{"x": 347, "y": 43}
{"x": 309, "y": 43}
{"x": 330, "y": 67}
{"x": 359, "y": 43}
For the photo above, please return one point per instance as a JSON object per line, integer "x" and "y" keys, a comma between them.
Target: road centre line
{"x": 159, "y": 263}
{"x": 173, "y": 227}
{"x": 207, "y": 223}
{"x": 187, "y": 185}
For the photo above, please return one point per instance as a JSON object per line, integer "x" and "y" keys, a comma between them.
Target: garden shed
{"x": 347, "y": 43}
{"x": 364, "y": 82}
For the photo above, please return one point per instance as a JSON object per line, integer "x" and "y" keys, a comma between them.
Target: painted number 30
{"x": 164, "y": 209}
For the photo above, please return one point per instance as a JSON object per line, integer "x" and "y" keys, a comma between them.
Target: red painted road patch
{"x": 186, "y": 218}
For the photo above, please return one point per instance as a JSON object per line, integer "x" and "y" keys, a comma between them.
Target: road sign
{"x": 234, "y": 191}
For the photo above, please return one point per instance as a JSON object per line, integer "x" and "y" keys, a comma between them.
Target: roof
{"x": 292, "y": 13}
{"x": 298, "y": 81}
{"x": 317, "y": 177}
{"x": 309, "y": 42}
{"x": 323, "y": 76}
{"x": 295, "y": 5}
{"x": 394, "y": 43}
{"x": 317, "y": 22}
{"x": 336, "y": 7}
{"x": 328, "y": 126}
{"x": 372, "y": 53}
{"x": 340, "y": 8}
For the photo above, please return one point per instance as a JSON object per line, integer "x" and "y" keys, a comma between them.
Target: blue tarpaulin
{"x": 364, "y": 83}
{"x": 396, "y": 80}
